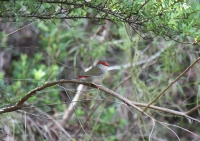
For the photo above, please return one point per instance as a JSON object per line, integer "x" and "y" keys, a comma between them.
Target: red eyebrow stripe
{"x": 82, "y": 76}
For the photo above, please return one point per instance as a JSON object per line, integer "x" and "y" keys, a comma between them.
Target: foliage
{"x": 67, "y": 47}
{"x": 166, "y": 18}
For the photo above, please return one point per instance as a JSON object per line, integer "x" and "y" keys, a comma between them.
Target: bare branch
{"x": 19, "y": 104}
{"x": 161, "y": 93}
{"x": 192, "y": 110}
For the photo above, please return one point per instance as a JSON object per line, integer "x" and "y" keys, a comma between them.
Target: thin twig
{"x": 152, "y": 129}
{"x": 161, "y": 93}
{"x": 18, "y": 30}
{"x": 192, "y": 110}
{"x": 162, "y": 109}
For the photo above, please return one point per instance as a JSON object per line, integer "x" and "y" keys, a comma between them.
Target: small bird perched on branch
{"x": 95, "y": 74}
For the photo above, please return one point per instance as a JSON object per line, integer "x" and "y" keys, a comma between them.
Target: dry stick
{"x": 172, "y": 83}
{"x": 166, "y": 110}
{"x": 56, "y": 122}
{"x": 192, "y": 110}
{"x": 18, "y": 105}
{"x": 17, "y": 30}
{"x": 31, "y": 93}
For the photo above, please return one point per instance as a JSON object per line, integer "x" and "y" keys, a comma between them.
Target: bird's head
{"x": 103, "y": 66}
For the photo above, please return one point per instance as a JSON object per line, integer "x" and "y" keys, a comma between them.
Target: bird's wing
{"x": 95, "y": 71}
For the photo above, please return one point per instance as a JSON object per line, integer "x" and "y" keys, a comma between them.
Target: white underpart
{"x": 103, "y": 68}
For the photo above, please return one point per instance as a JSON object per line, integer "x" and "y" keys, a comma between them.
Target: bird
{"x": 95, "y": 74}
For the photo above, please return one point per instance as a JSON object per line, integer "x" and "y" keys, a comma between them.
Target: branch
{"x": 192, "y": 110}
{"x": 103, "y": 11}
{"x": 18, "y": 105}
{"x": 143, "y": 5}
{"x": 172, "y": 83}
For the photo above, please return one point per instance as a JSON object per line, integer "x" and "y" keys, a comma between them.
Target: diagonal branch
{"x": 161, "y": 93}
{"x": 192, "y": 110}
{"x": 19, "y": 104}
{"x": 31, "y": 93}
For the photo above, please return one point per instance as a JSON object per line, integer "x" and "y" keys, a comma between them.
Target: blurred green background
{"x": 49, "y": 50}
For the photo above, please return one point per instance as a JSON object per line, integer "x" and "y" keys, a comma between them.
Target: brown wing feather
{"x": 95, "y": 71}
